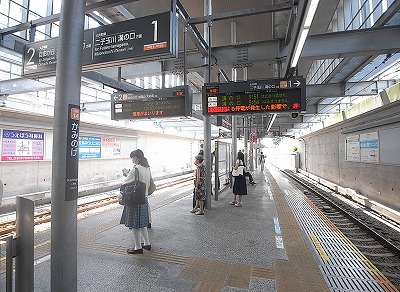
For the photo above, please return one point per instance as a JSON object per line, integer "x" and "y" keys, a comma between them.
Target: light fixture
{"x": 310, "y": 13}
{"x": 271, "y": 121}
{"x": 309, "y": 16}
{"x": 299, "y": 46}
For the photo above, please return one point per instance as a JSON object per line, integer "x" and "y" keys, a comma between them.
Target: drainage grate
{"x": 341, "y": 266}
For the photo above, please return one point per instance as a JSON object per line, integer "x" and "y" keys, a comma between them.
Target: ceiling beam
{"x": 56, "y": 17}
{"x": 352, "y": 43}
{"x": 241, "y": 13}
{"x": 347, "y": 89}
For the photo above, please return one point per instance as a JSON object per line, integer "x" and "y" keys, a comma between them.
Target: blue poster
{"x": 89, "y": 147}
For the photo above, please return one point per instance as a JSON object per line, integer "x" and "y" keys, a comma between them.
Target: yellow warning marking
{"x": 370, "y": 267}
{"x": 319, "y": 247}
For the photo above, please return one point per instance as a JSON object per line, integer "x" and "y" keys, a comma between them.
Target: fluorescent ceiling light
{"x": 299, "y": 46}
{"x": 309, "y": 16}
{"x": 271, "y": 122}
{"x": 310, "y": 13}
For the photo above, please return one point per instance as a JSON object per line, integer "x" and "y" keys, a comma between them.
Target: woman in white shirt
{"x": 137, "y": 217}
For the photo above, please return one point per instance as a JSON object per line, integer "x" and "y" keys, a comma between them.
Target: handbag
{"x": 152, "y": 186}
{"x": 133, "y": 193}
{"x": 238, "y": 171}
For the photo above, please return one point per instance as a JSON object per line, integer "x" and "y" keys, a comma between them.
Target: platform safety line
{"x": 319, "y": 247}
{"x": 379, "y": 277}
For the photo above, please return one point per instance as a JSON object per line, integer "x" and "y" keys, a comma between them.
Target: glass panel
{"x": 4, "y": 4}
{"x": 39, "y": 7}
{"x": 32, "y": 16}
{"x": 17, "y": 12}
{"x": 39, "y": 36}
{"x": 55, "y": 29}
{"x": 3, "y": 21}
{"x": 15, "y": 69}
{"x": 5, "y": 66}
{"x": 56, "y": 6}
{"x": 4, "y": 75}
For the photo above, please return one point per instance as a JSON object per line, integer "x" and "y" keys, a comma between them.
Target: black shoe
{"x": 149, "y": 225}
{"x": 252, "y": 183}
{"x": 148, "y": 247}
{"x": 133, "y": 251}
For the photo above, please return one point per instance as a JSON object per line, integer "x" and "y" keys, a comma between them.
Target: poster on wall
{"x": 89, "y": 147}
{"x": 353, "y": 148}
{"x": 369, "y": 147}
{"x": 110, "y": 147}
{"x": 22, "y": 145}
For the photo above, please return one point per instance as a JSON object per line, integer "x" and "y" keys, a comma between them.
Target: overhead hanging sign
{"x": 152, "y": 103}
{"x": 141, "y": 39}
{"x": 270, "y": 95}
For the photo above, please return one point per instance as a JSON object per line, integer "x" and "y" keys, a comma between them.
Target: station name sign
{"x": 141, "y": 39}
{"x": 152, "y": 103}
{"x": 270, "y": 95}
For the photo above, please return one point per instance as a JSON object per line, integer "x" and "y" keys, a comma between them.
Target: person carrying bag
{"x": 134, "y": 192}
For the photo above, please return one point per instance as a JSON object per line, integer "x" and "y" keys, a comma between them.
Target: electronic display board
{"x": 146, "y": 38}
{"x": 152, "y": 103}
{"x": 257, "y": 96}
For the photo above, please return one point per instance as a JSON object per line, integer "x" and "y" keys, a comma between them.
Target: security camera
{"x": 294, "y": 115}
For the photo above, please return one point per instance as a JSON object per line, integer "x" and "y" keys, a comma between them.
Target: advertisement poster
{"x": 110, "y": 147}
{"x": 353, "y": 148}
{"x": 369, "y": 147}
{"x": 22, "y": 145}
{"x": 89, "y": 147}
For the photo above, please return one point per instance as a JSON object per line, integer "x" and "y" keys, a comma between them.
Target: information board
{"x": 141, "y": 39}
{"x": 270, "y": 95}
{"x": 152, "y": 103}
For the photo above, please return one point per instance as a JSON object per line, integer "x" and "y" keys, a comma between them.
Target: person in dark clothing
{"x": 251, "y": 180}
{"x": 239, "y": 185}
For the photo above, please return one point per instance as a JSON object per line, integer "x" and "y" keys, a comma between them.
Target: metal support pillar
{"x": 234, "y": 118}
{"x": 64, "y": 187}
{"x": 10, "y": 249}
{"x": 216, "y": 171}
{"x": 24, "y": 272}
{"x": 207, "y": 119}
{"x": 246, "y": 138}
{"x": 162, "y": 74}
{"x": 119, "y": 78}
{"x": 1, "y": 191}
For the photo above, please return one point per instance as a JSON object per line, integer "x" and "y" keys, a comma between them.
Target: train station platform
{"x": 268, "y": 244}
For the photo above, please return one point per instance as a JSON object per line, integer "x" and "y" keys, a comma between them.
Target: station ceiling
{"x": 257, "y": 38}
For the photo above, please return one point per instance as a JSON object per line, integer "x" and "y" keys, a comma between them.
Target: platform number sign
{"x": 148, "y": 38}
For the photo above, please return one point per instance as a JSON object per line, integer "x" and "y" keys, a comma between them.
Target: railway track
{"x": 375, "y": 237}
{"x": 8, "y": 227}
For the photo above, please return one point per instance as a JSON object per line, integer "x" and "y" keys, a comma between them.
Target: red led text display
{"x": 254, "y": 97}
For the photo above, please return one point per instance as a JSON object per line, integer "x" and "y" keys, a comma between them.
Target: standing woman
{"x": 199, "y": 191}
{"x": 239, "y": 185}
{"x": 137, "y": 216}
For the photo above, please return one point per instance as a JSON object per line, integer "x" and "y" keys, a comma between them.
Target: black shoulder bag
{"x": 133, "y": 193}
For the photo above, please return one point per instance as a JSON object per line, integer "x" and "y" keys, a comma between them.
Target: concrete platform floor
{"x": 228, "y": 249}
